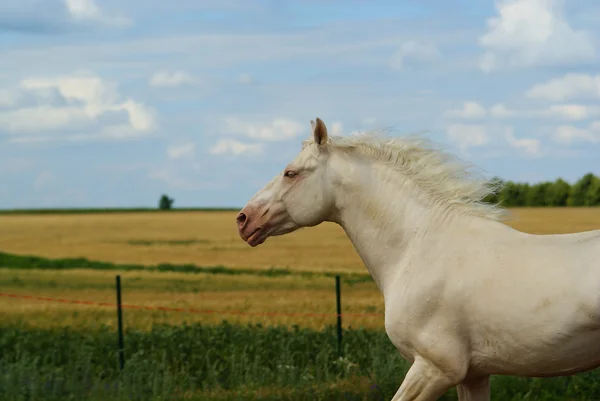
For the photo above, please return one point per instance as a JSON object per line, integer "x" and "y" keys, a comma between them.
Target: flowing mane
{"x": 443, "y": 176}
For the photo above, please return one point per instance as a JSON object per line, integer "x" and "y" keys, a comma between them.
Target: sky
{"x": 113, "y": 103}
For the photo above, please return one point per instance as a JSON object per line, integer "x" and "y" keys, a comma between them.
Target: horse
{"x": 466, "y": 296}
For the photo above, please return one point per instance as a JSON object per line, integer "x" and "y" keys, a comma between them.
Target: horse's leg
{"x": 474, "y": 389}
{"x": 425, "y": 382}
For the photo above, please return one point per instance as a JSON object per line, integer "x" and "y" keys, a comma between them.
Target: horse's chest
{"x": 402, "y": 325}
{"x": 416, "y": 316}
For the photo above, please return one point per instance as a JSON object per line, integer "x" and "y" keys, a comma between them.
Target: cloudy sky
{"x": 112, "y": 103}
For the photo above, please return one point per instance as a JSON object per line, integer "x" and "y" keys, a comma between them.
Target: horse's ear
{"x": 319, "y": 131}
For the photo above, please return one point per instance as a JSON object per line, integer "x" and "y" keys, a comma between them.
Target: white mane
{"x": 443, "y": 176}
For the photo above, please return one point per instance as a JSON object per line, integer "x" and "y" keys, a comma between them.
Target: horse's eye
{"x": 290, "y": 174}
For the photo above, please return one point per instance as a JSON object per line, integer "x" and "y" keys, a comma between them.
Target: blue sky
{"x": 110, "y": 103}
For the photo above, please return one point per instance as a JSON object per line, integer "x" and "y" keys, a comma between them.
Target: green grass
{"x": 221, "y": 361}
{"x": 12, "y": 261}
{"x": 227, "y": 362}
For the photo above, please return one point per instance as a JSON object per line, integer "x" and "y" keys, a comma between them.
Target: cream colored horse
{"x": 465, "y": 295}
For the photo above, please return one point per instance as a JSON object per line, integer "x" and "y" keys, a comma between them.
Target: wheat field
{"x": 204, "y": 239}
{"x": 210, "y": 238}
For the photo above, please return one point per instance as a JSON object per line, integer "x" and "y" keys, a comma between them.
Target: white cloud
{"x": 279, "y": 129}
{"x": 182, "y": 151}
{"x": 83, "y": 9}
{"x": 575, "y": 112}
{"x": 467, "y": 136}
{"x": 567, "y": 134}
{"x": 81, "y": 102}
{"x": 234, "y": 147}
{"x": 532, "y": 32}
{"x": 86, "y": 88}
{"x": 529, "y": 145}
{"x": 140, "y": 118}
{"x": 470, "y": 110}
{"x": 40, "y": 118}
{"x": 569, "y": 86}
{"x": 501, "y": 111}
{"x": 88, "y": 11}
{"x": 572, "y": 111}
{"x": 413, "y": 51}
{"x": 166, "y": 78}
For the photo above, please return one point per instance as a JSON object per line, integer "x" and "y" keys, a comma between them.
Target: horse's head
{"x": 301, "y": 196}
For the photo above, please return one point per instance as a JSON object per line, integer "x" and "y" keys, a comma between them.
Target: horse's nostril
{"x": 241, "y": 219}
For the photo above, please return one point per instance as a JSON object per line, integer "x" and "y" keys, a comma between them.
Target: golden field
{"x": 210, "y": 238}
{"x": 201, "y": 238}
{"x": 204, "y": 239}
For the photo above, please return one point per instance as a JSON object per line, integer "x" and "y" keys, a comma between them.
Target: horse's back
{"x": 578, "y": 249}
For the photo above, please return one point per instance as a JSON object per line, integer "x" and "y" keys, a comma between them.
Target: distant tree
{"x": 537, "y": 195}
{"x": 514, "y": 194}
{"x": 580, "y": 190}
{"x": 592, "y": 197}
{"x": 585, "y": 192}
{"x": 558, "y": 193}
{"x": 165, "y": 202}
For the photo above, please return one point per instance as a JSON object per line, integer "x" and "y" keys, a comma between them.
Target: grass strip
{"x": 14, "y": 261}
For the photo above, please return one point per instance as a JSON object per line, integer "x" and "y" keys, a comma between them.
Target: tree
{"x": 579, "y": 191}
{"x": 592, "y": 197}
{"x": 537, "y": 195}
{"x": 514, "y": 194}
{"x": 165, "y": 202}
{"x": 585, "y": 192}
{"x": 558, "y": 193}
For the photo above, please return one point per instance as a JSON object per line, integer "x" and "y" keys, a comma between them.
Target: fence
{"x": 120, "y": 306}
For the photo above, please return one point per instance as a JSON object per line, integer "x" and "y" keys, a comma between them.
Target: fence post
{"x": 120, "y": 323}
{"x": 339, "y": 314}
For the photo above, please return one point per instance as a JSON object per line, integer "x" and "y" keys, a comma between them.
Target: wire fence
{"x": 120, "y": 306}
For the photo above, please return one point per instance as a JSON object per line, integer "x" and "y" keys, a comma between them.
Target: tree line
{"x": 584, "y": 192}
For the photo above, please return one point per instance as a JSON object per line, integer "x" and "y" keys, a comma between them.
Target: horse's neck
{"x": 386, "y": 218}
